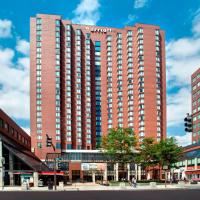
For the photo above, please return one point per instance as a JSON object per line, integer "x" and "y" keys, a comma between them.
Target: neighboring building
{"x": 195, "y": 83}
{"x": 189, "y": 165}
{"x": 87, "y": 79}
{"x": 17, "y": 162}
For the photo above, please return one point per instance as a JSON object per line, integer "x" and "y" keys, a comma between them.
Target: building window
{"x": 39, "y": 137}
{"x": 69, "y": 146}
{"x": 1, "y": 123}
{"x": 38, "y": 21}
{"x": 39, "y": 145}
{"x": 58, "y": 145}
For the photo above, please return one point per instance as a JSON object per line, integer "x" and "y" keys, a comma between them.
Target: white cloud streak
{"x": 131, "y": 19}
{"x": 5, "y": 28}
{"x": 87, "y": 12}
{"x": 140, "y": 3}
{"x": 196, "y": 24}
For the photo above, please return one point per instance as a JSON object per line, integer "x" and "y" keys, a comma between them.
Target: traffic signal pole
{"x": 49, "y": 143}
{"x": 55, "y": 184}
{"x": 188, "y": 123}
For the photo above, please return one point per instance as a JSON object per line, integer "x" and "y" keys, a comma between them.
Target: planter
{"x": 153, "y": 184}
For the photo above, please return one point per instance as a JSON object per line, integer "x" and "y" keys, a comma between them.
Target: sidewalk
{"x": 96, "y": 187}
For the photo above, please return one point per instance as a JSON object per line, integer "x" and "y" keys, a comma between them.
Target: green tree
{"x": 119, "y": 145}
{"x": 168, "y": 153}
{"x": 148, "y": 155}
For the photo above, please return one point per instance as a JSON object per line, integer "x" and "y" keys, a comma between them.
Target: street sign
{"x": 165, "y": 167}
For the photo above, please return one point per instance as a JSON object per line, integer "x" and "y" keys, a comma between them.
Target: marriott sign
{"x": 100, "y": 30}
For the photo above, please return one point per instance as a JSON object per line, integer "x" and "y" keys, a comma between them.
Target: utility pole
{"x": 49, "y": 143}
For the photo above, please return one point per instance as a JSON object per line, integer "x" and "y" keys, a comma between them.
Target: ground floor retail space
{"x": 93, "y": 172}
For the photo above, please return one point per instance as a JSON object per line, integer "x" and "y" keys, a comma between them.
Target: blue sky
{"x": 179, "y": 19}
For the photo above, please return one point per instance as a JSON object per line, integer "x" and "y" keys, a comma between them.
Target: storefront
{"x": 92, "y": 166}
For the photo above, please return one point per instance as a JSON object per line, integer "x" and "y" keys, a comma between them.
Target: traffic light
{"x": 188, "y": 123}
{"x": 48, "y": 141}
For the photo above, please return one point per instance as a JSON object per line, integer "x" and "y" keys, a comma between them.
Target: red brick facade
{"x": 195, "y": 84}
{"x": 130, "y": 85}
{"x": 11, "y": 130}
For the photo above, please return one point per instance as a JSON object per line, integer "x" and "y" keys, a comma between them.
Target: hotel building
{"x": 88, "y": 79}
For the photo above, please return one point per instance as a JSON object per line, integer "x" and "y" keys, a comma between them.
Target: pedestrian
{"x": 134, "y": 182}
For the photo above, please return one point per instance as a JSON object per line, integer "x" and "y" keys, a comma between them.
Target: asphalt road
{"x": 104, "y": 195}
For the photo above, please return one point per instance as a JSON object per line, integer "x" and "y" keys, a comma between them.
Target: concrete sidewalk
{"x": 96, "y": 187}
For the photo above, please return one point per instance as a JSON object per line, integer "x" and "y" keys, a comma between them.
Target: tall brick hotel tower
{"x": 87, "y": 79}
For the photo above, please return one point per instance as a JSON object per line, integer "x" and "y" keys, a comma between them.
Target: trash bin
{"x": 25, "y": 186}
{"x": 50, "y": 185}
{"x": 40, "y": 183}
{"x": 61, "y": 184}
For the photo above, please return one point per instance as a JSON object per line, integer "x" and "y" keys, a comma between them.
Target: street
{"x": 104, "y": 195}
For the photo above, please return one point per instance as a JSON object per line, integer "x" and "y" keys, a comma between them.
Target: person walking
{"x": 134, "y": 182}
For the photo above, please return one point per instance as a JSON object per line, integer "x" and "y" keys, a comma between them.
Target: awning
{"x": 193, "y": 172}
{"x": 34, "y": 163}
{"x": 51, "y": 173}
{"x": 21, "y": 173}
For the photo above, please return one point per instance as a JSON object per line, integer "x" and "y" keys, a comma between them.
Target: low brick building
{"x": 17, "y": 162}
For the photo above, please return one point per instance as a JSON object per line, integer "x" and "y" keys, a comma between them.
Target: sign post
{"x": 165, "y": 167}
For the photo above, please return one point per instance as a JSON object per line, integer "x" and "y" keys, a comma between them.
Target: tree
{"x": 168, "y": 153}
{"x": 119, "y": 145}
{"x": 148, "y": 155}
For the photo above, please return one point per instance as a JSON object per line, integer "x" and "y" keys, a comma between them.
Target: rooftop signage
{"x": 99, "y": 30}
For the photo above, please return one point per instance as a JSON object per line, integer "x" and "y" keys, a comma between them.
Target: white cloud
{"x": 87, "y": 12}
{"x": 5, "y": 28}
{"x": 14, "y": 78}
{"x": 130, "y": 19}
{"x": 27, "y": 130}
{"x": 183, "y": 57}
{"x": 184, "y": 140}
{"x": 23, "y": 47}
{"x": 196, "y": 24}
{"x": 140, "y": 3}
{"x": 178, "y": 105}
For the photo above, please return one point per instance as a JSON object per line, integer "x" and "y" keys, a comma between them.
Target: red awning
{"x": 23, "y": 173}
{"x": 51, "y": 173}
{"x": 193, "y": 172}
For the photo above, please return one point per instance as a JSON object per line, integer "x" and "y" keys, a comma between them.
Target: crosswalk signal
{"x": 188, "y": 123}
{"x": 48, "y": 141}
